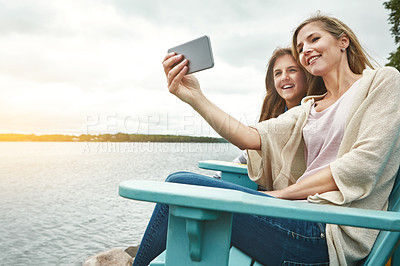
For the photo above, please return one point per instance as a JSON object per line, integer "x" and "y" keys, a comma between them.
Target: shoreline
{"x": 119, "y": 137}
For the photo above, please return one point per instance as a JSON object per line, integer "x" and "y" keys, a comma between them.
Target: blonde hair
{"x": 357, "y": 57}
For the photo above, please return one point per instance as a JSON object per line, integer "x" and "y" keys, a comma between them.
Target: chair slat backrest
{"x": 394, "y": 198}
{"x": 386, "y": 241}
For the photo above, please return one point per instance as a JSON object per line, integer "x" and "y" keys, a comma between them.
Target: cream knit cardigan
{"x": 366, "y": 164}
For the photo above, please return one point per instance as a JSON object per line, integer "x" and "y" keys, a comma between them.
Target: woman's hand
{"x": 186, "y": 88}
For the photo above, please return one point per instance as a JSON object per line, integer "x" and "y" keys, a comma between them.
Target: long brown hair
{"x": 357, "y": 57}
{"x": 274, "y": 104}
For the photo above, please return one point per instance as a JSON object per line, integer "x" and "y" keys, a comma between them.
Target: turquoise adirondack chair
{"x": 200, "y": 218}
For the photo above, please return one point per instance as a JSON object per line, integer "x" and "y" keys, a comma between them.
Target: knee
{"x": 177, "y": 177}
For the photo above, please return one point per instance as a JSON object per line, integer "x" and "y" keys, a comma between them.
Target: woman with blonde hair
{"x": 341, "y": 148}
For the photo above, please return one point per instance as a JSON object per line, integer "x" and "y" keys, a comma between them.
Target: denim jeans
{"x": 270, "y": 241}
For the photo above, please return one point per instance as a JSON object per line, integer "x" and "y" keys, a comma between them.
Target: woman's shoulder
{"x": 389, "y": 69}
{"x": 287, "y": 117}
{"x": 309, "y": 100}
{"x": 386, "y": 77}
{"x": 383, "y": 71}
{"x": 297, "y": 111}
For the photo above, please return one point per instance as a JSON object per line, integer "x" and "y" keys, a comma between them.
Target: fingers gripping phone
{"x": 198, "y": 52}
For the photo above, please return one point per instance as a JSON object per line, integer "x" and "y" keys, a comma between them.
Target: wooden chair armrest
{"x": 232, "y": 172}
{"x": 225, "y": 200}
{"x": 223, "y": 166}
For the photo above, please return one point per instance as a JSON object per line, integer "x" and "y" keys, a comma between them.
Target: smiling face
{"x": 289, "y": 80}
{"x": 319, "y": 52}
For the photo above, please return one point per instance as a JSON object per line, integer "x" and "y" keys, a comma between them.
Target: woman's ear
{"x": 344, "y": 41}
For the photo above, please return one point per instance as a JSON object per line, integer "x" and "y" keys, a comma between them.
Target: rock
{"x": 114, "y": 257}
{"x": 132, "y": 250}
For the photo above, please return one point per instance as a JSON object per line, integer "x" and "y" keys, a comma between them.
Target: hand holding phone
{"x": 198, "y": 52}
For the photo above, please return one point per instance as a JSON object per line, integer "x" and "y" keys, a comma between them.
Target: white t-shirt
{"x": 324, "y": 132}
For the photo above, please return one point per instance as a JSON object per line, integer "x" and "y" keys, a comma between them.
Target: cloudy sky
{"x": 94, "y": 66}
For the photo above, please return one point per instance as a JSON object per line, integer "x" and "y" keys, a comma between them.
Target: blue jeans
{"x": 270, "y": 241}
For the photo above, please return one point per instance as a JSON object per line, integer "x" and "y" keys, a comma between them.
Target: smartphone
{"x": 198, "y": 52}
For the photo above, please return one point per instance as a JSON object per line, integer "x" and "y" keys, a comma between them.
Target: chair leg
{"x": 395, "y": 259}
{"x": 207, "y": 234}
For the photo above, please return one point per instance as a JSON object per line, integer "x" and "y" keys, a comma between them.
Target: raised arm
{"x": 187, "y": 89}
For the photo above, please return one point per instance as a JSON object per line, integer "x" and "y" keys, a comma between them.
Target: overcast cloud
{"x": 77, "y": 67}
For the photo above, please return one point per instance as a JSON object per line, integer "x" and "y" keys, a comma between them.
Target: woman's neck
{"x": 339, "y": 81}
{"x": 290, "y": 105}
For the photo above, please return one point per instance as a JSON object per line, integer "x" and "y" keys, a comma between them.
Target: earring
{"x": 343, "y": 49}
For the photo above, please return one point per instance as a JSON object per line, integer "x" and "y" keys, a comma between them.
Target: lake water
{"x": 59, "y": 202}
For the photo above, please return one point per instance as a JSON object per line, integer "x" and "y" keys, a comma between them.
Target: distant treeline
{"x": 120, "y": 137}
